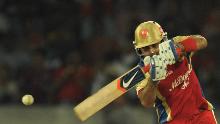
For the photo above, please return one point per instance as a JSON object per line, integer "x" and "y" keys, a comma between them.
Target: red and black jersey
{"x": 180, "y": 95}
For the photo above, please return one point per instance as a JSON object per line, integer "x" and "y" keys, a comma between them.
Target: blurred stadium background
{"x": 61, "y": 51}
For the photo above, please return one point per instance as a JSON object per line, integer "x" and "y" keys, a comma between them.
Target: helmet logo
{"x": 143, "y": 33}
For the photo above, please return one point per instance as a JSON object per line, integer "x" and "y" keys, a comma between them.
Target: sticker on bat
{"x": 130, "y": 79}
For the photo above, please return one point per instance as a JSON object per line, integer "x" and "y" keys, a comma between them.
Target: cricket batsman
{"x": 173, "y": 89}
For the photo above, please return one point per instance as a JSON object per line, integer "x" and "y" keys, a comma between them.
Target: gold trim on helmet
{"x": 148, "y": 33}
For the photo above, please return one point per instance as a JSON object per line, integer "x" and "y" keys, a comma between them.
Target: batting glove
{"x": 168, "y": 52}
{"x": 158, "y": 68}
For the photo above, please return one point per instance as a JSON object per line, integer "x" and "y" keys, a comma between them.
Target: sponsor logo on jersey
{"x": 181, "y": 80}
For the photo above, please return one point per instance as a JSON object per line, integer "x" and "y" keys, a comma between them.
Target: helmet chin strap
{"x": 138, "y": 52}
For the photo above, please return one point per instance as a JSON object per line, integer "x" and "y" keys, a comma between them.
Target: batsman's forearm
{"x": 191, "y": 43}
{"x": 201, "y": 41}
{"x": 147, "y": 95}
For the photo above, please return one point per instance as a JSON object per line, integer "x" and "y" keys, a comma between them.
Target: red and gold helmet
{"x": 148, "y": 33}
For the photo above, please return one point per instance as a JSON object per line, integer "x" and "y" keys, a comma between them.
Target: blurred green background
{"x": 63, "y": 51}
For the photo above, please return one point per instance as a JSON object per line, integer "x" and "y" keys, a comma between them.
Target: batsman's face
{"x": 150, "y": 50}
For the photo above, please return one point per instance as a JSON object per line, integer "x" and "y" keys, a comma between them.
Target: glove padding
{"x": 168, "y": 52}
{"x": 158, "y": 63}
{"x": 158, "y": 68}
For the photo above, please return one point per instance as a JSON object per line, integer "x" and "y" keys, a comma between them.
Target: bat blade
{"x": 109, "y": 93}
{"x": 97, "y": 101}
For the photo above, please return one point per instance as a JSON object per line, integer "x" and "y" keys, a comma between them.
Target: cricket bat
{"x": 110, "y": 92}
